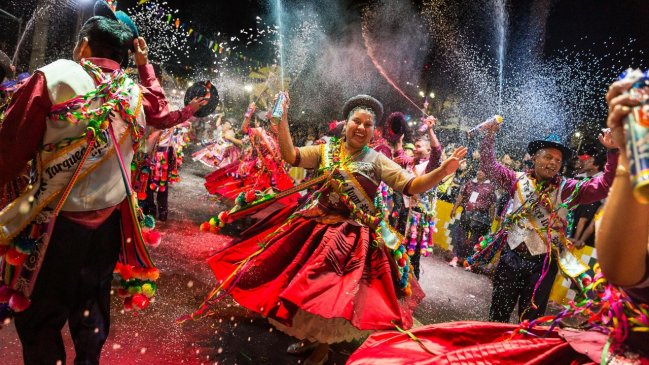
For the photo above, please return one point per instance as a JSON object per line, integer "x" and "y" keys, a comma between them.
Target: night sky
{"x": 574, "y": 25}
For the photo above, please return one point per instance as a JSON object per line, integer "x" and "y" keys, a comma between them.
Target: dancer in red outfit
{"x": 260, "y": 168}
{"x": 331, "y": 273}
{"x": 619, "y": 317}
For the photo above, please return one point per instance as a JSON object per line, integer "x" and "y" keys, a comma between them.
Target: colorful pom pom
{"x": 5, "y": 294}
{"x": 401, "y": 262}
{"x": 149, "y": 221}
{"x": 152, "y": 238}
{"x": 407, "y": 291}
{"x": 18, "y": 302}
{"x": 14, "y": 257}
{"x": 134, "y": 289}
{"x": 250, "y": 196}
{"x": 128, "y": 304}
{"x": 140, "y": 301}
{"x": 148, "y": 289}
{"x": 152, "y": 274}
{"x": 126, "y": 271}
{"x": 205, "y": 227}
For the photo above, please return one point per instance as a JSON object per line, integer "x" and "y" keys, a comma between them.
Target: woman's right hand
{"x": 620, "y": 103}
{"x": 451, "y": 164}
{"x": 285, "y": 105}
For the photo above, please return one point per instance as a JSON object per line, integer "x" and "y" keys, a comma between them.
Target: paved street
{"x": 234, "y": 335}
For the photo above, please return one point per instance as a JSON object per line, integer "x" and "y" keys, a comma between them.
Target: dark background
{"x": 576, "y": 25}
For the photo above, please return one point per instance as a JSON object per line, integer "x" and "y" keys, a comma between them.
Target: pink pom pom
{"x": 5, "y": 293}
{"x": 18, "y": 302}
{"x": 152, "y": 238}
{"x": 128, "y": 304}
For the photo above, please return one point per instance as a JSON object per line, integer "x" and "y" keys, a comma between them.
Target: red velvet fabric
{"x": 465, "y": 343}
{"x": 330, "y": 270}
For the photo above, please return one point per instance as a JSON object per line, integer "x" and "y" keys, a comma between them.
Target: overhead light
{"x": 432, "y": 95}
{"x": 248, "y": 88}
{"x": 421, "y": 93}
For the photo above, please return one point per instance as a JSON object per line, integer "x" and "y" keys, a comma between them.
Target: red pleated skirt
{"x": 328, "y": 270}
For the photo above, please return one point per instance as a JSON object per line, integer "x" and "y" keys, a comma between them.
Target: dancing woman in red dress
{"x": 330, "y": 273}
{"x": 615, "y": 320}
{"x": 260, "y": 168}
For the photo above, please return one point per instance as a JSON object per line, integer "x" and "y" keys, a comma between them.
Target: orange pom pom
{"x": 408, "y": 291}
{"x": 214, "y": 229}
{"x": 152, "y": 274}
{"x": 139, "y": 273}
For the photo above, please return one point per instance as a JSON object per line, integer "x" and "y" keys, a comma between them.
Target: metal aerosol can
{"x": 496, "y": 119}
{"x": 278, "y": 112}
{"x": 636, "y": 125}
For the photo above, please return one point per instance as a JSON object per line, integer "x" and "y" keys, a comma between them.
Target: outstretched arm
{"x": 503, "y": 176}
{"x": 596, "y": 188}
{"x": 246, "y": 121}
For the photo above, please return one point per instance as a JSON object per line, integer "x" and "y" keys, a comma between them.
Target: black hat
{"x": 551, "y": 141}
{"x": 200, "y": 89}
{"x": 395, "y": 127}
{"x": 364, "y": 101}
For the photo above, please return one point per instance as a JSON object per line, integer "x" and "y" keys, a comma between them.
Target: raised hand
{"x": 451, "y": 164}
{"x": 430, "y": 121}
{"x": 141, "y": 51}
{"x": 606, "y": 139}
{"x": 197, "y": 103}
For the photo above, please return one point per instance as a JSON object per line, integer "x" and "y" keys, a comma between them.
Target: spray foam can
{"x": 496, "y": 119}
{"x": 636, "y": 125}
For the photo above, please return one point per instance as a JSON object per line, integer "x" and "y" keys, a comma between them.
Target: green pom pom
{"x": 149, "y": 221}
{"x": 134, "y": 289}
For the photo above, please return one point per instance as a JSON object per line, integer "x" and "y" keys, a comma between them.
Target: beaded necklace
{"x": 399, "y": 255}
